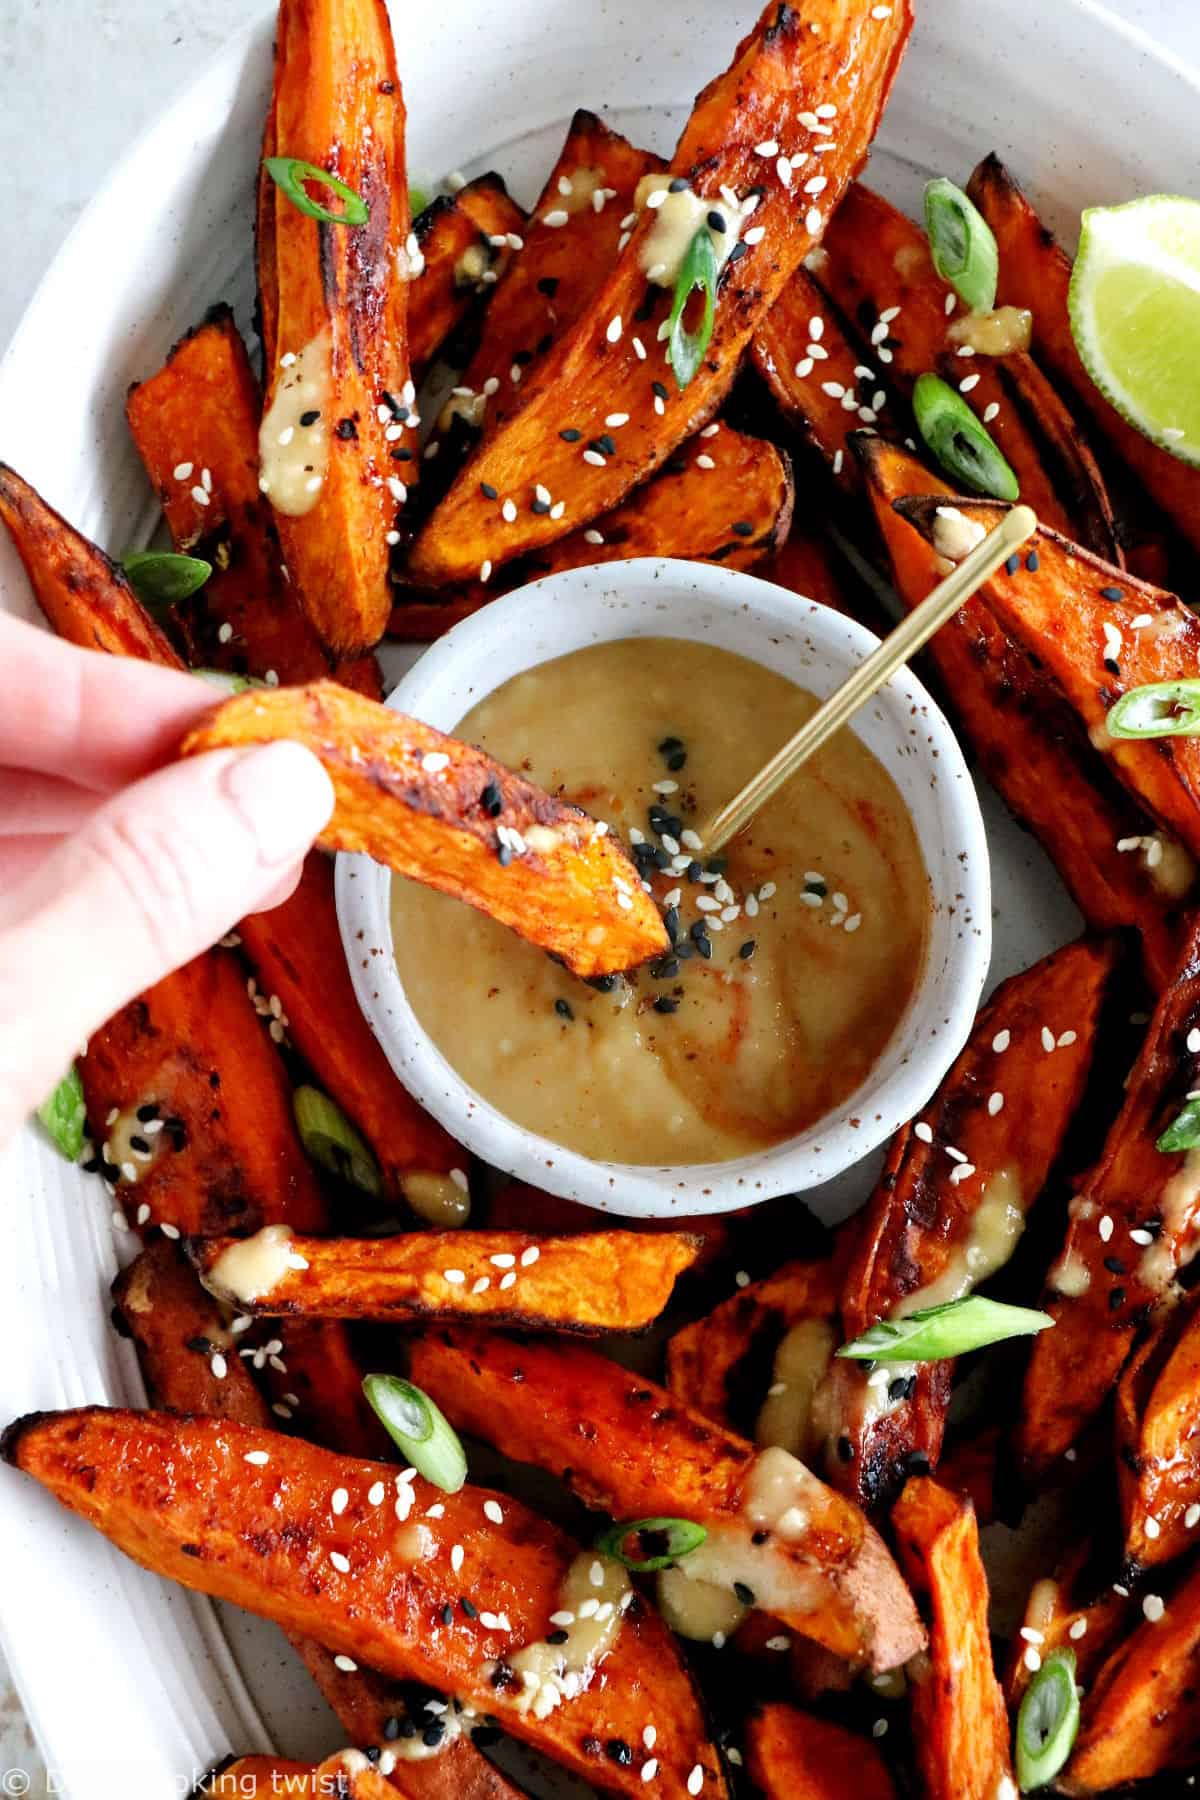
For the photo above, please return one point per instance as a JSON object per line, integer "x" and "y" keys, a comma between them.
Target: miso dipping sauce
{"x": 796, "y": 951}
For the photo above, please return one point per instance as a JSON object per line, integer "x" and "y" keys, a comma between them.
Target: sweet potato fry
{"x": 876, "y": 260}
{"x": 1035, "y": 272}
{"x": 1103, "y": 1282}
{"x": 792, "y": 1755}
{"x": 606, "y": 1281}
{"x": 968, "y": 1467}
{"x": 786, "y": 65}
{"x": 200, "y": 412}
{"x": 1066, "y": 1616}
{"x": 246, "y": 1515}
{"x": 625, "y": 1446}
{"x": 1032, "y": 746}
{"x": 571, "y": 889}
{"x": 936, "y": 1227}
{"x": 338, "y": 310}
{"x": 517, "y": 1207}
{"x": 1099, "y": 632}
{"x": 960, "y": 1728}
{"x": 458, "y": 235}
{"x": 1142, "y": 1712}
{"x": 1158, "y": 1438}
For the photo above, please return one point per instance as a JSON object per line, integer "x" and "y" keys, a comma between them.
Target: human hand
{"x": 118, "y": 865}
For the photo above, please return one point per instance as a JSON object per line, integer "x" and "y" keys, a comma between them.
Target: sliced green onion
{"x": 949, "y": 1330}
{"x": 685, "y": 349}
{"x": 661, "y": 1543}
{"x": 962, "y": 244}
{"x": 1161, "y": 709}
{"x": 1184, "y": 1134}
{"x": 291, "y": 175}
{"x": 64, "y": 1115}
{"x": 332, "y": 1141}
{"x": 1048, "y": 1721}
{"x": 959, "y": 442}
{"x": 418, "y": 200}
{"x": 228, "y": 682}
{"x": 160, "y": 579}
{"x": 419, "y": 1429}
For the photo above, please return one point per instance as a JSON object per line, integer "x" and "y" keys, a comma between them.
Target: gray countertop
{"x": 79, "y": 80}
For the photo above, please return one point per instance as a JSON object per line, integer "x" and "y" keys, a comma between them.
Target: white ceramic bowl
{"x": 818, "y": 649}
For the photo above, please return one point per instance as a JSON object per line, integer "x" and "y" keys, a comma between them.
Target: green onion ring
{"x": 418, "y": 1428}
{"x": 63, "y": 1114}
{"x": 1048, "y": 1721}
{"x": 681, "y": 1536}
{"x": 940, "y": 1331}
{"x": 962, "y": 245}
{"x": 290, "y": 173}
{"x": 332, "y": 1141}
{"x": 685, "y": 350}
{"x": 1160, "y": 709}
{"x": 964, "y": 448}
{"x": 1184, "y": 1132}
{"x": 159, "y": 578}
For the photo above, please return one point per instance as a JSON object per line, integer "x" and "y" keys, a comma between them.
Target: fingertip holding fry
{"x": 284, "y": 797}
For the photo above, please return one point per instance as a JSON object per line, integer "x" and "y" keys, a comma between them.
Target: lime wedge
{"x": 1135, "y": 315}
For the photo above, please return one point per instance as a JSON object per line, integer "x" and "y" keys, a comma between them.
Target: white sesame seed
{"x": 834, "y": 389}
{"x": 1047, "y": 1039}
{"x": 397, "y": 490}
{"x": 779, "y": 1643}
{"x": 812, "y": 220}
{"x": 434, "y": 761}
{"x": 341, "y": 1563}
{"x": 219, "y": 1367}
{"x": 1031, "y": 1636}
{"x": 1191, "y": 1517}
{"x": 1032, "y": 1660}
{"x": 493, "y": 1510}
{"x": 595, "y": 459}
{"x": 879, "y": 1728}
{"x": 508, "y": 511}
{"x": 783, "y": 168}
{"x": 804, "y": 367}
{"x": 591, "y": 536}
{"x": 456, "y": 1557}
{"x": 200, "y": 496}
{"x": 816, "y": 185}
{"x": 530, "y": 1256}
{"x": 614, "y": 330}
{"x": 881, "y": 12}
{"x": 485, "y": 569}
{"x": 968, "y": 384}
{"x": 923, "y": 1131}
{"x": 649, "y": 1769}
{"x": 995, "y": 1104}
{"x": 339, "y": 1501}
{"x": 1152, "y": 1528}
{"x": 1078, "y": 1629}
{"x": 556, "y": 219}
{"x": 768, "y": 147}
{"x": 454, "y": 1276}
{"x": 695, "y": 1780}
{"x": 1153, "y": 1608}
{"x": 1001, "y": 1041}
{"x": 346, "y": 1664}
{"x": 170, "y": 1231}
{"x": 375, "y": 1494}
{"x": 615, "y": 420}
{"x": 1143, "y": 1238}
{"x": 507, "y": 1281}
{"x": 258, "y": 1459}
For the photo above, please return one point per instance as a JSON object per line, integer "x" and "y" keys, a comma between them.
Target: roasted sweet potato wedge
{"x": 793, "y": 1755}
{"x": 432, "y": 808}
{"x": 1059, "y": 1616}
{"x": 605, "y": 1281}
{"x": 877, "y": 269}
{"x": 1035, "y": 272}
{"x": 786, "y": 66}
{"x": 1158, "y": 1438}
{"x": 195, "y": 424}
{"x": 1032, "y": 746}
{"x": 1105, "y": 1280}
{"x": 960, "y": 1727}
{"x": 335, "y": 316}
{"x": 625, "y": 1446}
{"x": 1142, "y": 1712}
{"x": 1099, "y": 632}
{"x": 466, "y": 241}
{"x": 247, "y": 1516}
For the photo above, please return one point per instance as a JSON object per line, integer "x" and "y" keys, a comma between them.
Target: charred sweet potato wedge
{"x": 1031, "y": 744}
{"x": 605, "y": 1281}
{"x": 1104, "y": 1282}
{"x": 1061, "y": 1617}
{"x": 939, "y": 1224}
{"x": 1099, "y": 632}
{"x": 1158, "y": 1438}
{"x": 1035, "y": 272}
{"x": 337, "y": 308}
{"x": 570, "y": 889}
{"x": 466, "y": 241}
{"x": 200, "y": 413}
{"x": 787, "y": 65}
{"x": 877, "y": 269}
{"x": 793, "y": 1755}
{"x": 625, "y": 1446}
{"x": 959, "y": 1725}
{"x": 246, "y": 1515}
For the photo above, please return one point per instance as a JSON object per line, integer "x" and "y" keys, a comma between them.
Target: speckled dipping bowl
{"x": 817, "y": 648}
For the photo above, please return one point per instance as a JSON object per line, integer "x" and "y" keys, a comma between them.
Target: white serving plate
{"x": 131, "y": 1686}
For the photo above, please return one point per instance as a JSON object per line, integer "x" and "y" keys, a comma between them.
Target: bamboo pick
{"x": 1015, "y": 529}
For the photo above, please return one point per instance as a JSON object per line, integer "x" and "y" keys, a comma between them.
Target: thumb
{"x": 156, "y": 875}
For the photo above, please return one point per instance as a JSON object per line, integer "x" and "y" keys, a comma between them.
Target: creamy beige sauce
{"x": 253, "y": 1267}
{"x": 293, "y": 458}
{"x": 998, "y": 333}
{"x": 996, "y": 1224}
{"x": 785, "y": 1419}
{"x": 438, "y": 1199}
{"x": 132, "y": 1145}
{"x": 470, "y": 408}
{"x": 677, "y": 219}
{"x": 699, "y": 1610}
{"x": 577, "y": 191}
{"x": 590, "y": 1611}
{"x": 954, "y": 535}
{"x": 774, "y": 1512}
{"x": 1177, "y": 1207}
{"x": 1070, "y": 1276}
{"x": 758, "y": 1048}
{"x": 1169, "y": 866}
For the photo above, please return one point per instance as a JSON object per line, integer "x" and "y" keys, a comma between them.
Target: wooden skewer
{"x": 1015, "y": 529}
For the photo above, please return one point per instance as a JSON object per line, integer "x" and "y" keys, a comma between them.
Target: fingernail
{"x": 284, "y": 796}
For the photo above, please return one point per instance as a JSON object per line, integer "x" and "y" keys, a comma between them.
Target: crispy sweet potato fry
{"x": 1142, "y": 1712}
{"x": 792, "y": 1755}
{"x": 200, "y": 411}
{"x": 1158, "y": 1438}
{"x": 960, "y": 1728}
{"x": 246, "y": 1515}
{"x": 786, "y": 65}
{"x": 331, "y": 297}
{"x": 437, "y": 826}
{"x": 606, "y": 1281}
{"x": 1035, "y": 272}
{"x": 1104, "y": 1282}
{"x": 1064, "y": 1619}
{"x": 457, "y": 236}
{"x": 520, "y": 1208}
{"x": 623, "y": 1445}
{"x": 968, "y": 1467}
{"x": 1099, "y": 632}
{"x": 1031, "y": 744}
{"x": 876, "y": 260}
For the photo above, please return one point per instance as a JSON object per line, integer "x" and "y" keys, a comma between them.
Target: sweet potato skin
{"x": 624, "y": 1446}
{"x": 784, "y": 66}
{"x": 454, "y": 234}
{"x": 792, "y": 1755}
{"x": 605, "y": 1281}
{"x": 180, "y": 1496}
{"x": 1157, "y": 1418}
{"x": 960, "y": 1727}
{"x": 435, "y": 827}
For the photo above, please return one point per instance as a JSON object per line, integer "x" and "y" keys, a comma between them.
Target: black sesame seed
{"x": 345, "y": 429}
{"x": 671, "y": 921}
{"x": 491, "y": 800}
{"x": 591, "y": 1746}
{"x": 1116, "y": 1299}
{"x": 902, "y": 1388}
{"x": 684, "y": 950}
{"x": 665, "y": 970}
{"x": 401, "y": 455}
{"x": 759, "y": 1538}
{"x": 200, "y": 1345}
{"x": 1033, "y": 562}
{"x": 310, "y": 417}
{"x": 1012, "y": 565}
{"x": 447, "y": 1614}
{"x": 660, "y": 859}
{"x": 845, "y": 1450}
{"x": 408, "y": 1728}
{"x": 1152, "y": 1225}
{"x": 680, "y": 185}
{"x": 433, "y": 1733}
{"x": 503, "y": 1676}
{"x": 523, "y": 358}
{"x": 556, "y": 1637}
{"x": 147, "y": 1112}
{"x": 694, "y": 871}
{"x": 394, "y": 407}
{"x": 504, "y": 855}
{"x": 717, "y": 865}
{"x": 677, "y": 761}
{"x": 660, "y": 390}
{"x": 570, "y": 435}
{"x": 739, "y": 250}
{"x": 563, "y": 1009}
{"x": 917, "y": 1463}
{"x": 665, "y": 1004}
{"x": 816, "y": 887}
{"x": 747, "y": 949}
{"x": 548, "y": 285}
{"x": 136, "y": 1142}
{"x": 704, "y": 946}
{"x": 540, "y": 506}
{"x": 604, "y": 444}
{"x": 716, "y": 221}
{"x": 1113, "y": 667}
{"x": 668, "y": 744}
{"x": 618, "y": 1751}
{"x": 603, "y": 984}
{"x": 92, "y": 1166}
{"x": 372, "y": 1753}
{"x": 1114, "y": 1265}
{"x": 744, "y": 1594}
{"x": 488, "y": 491}
{"x": 391, "y": 1729}
{"x": 743, "y": 527}
{"x": 1112, "y": 593}
{"x": 699, "y": 931}
{"x": 471, "y": 1611}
